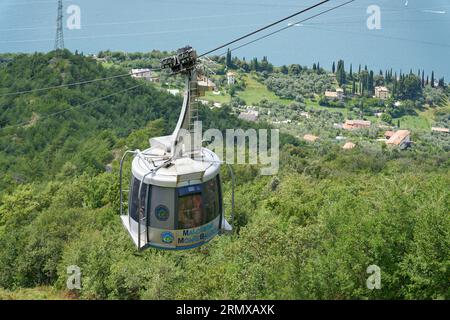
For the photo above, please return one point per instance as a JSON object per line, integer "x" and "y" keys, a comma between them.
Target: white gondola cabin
{"x": 175, "y": 194}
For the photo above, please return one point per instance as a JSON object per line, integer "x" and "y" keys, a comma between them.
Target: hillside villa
{"x": 335, "y": 95}
{"x": 441, "y": 130}
{"x": 250, "y": 115}
{"x": 145, "y": 74}
{"x": 381, "y": 93}
{"x": 231, "y": 77}
{"x": 205, "y": 84}
{"x": 401, "y": 138}
{"x": 356, "y": 124}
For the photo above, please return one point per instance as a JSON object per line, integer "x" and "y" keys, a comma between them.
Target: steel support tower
{"x": 59, "y": 41}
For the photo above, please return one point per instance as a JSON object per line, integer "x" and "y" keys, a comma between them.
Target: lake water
{"x": 414, "y": 34}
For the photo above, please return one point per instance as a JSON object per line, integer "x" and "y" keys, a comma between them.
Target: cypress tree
{"x": 370, "y": 82}
{"x": 394, "y": 88}
{"x": 228, "y": 61}
{"x": 340, "y": 73}
{"x": 367, "y": 83}
{"x": 432, "y": 79}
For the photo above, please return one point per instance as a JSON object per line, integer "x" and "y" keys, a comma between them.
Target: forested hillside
{"x": 78, "y": 140}
{"x": 309, "y": 232}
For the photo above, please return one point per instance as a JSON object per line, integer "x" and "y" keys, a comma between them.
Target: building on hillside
{"x": 349, "y": 146}
{"x": 356, "y": 124}
{"x": 381, "y": 93}
{"x": 310, "y": 138}
{"x": 440, "y": 130}
{"x": 100, "y": 60}
{"x": 330, "y": 95}
{"x": 174, "y": 92}
{"x": 335, "y": 95}
{"x": 401, "y": 139}
{"x": 204, "y": 84}
{"x": 231, "y": 77}
{"x": 145, "y": 74}
{"x": 250, "y": 115}
{"x": 207, "y": 83}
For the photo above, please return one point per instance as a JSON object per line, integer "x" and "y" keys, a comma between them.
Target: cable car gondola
{"x": 175, "y": 193}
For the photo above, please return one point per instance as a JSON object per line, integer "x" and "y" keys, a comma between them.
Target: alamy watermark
{"x": 374, "y": 280}
{"x": 73, "y": 21}
{"x": 238, "y": 146}
{"x": 374, "y": 19}
{"x": 74, "y": 278}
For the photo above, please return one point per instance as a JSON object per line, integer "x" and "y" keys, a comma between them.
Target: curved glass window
{"x": 198, "y": 205}
{"x": 134, "y": 199}
{"x": 190, "y": 211}
{"x": 211, "y": 200}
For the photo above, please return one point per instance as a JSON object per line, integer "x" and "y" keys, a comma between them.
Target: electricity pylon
{"x": 59, "y": 42}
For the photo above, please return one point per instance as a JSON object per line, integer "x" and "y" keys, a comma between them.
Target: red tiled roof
{"x": 310, "y": 137}
{"x": 399, "y": 137}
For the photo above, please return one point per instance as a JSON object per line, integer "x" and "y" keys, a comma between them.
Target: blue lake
{"x": 414, "y": 34}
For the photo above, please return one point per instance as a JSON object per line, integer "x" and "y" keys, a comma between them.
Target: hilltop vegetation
{"x": 80, "y": 139}
{"x": 309, "y": 232}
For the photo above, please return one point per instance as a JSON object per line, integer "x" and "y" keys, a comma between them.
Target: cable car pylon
{"x": 175, "y": 192}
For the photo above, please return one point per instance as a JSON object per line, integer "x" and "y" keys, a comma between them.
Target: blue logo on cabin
{"x": 167, "y": 237}
{"x": 162, "y": 213}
